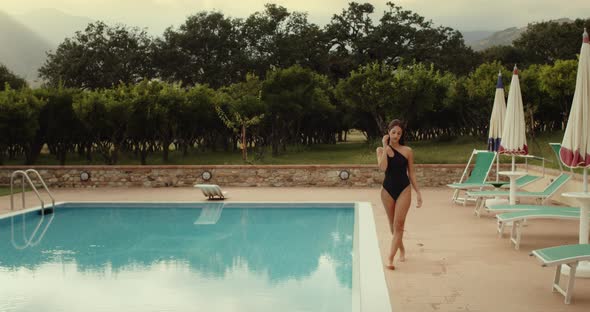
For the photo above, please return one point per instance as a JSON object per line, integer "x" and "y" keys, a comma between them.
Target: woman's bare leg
{"x": 389, "y": 205}
{"x": 401, "y": 211}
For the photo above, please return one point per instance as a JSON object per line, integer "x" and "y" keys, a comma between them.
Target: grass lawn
{"x": 356, "y": 151}
{"x": 5, "y": 190}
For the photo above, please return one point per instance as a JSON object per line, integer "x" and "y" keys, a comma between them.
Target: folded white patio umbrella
{"x": 513, "y": 133}
{"x": 575, "y": 147}
{"x": 497, "y": 121}
{"x": 514, "y": 130}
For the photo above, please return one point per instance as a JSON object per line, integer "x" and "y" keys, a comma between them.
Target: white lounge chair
{"x": 518, "y": 217}
{"x": 212, "y": 191}
{"x": 476, "y": 179}
{"x": 541, "y": 196}
{"x": 569, "y": 255}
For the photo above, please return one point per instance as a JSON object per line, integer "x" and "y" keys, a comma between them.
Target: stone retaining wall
{"x": 235, "y": 175}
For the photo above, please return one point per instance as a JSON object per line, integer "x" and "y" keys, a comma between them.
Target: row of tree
{"x": 217, "y": 50}
{"x": 291, "y": 106}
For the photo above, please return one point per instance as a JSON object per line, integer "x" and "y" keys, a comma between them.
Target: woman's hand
{"x": 385, "y": 140}
{"x": 418, "y": 200}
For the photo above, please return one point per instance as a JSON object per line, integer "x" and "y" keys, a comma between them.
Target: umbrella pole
{"x": 497, "y": 167}
{"x": 513, "y": 163}
{"x": 586, "y": 180}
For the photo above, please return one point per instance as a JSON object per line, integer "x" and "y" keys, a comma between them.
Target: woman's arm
{"x": 381, "y": 158}
{"x": 382, "y": 154}
{"x": 412, "y": 177}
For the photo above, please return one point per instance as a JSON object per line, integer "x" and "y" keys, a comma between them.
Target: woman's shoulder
{"x": 406, "y": 148}
{"x": 406, "y": 151}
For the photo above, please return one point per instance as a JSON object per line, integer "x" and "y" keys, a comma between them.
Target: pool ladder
{"x": 34, "y": 239}
{"x": 25, "y": 177}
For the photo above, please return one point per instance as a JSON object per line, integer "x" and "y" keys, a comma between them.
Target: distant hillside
{"x": 21, "y": 49}
{"x": 504, "y": 37}
{"x": 54, "y": 25}
{"x": 474, "y": 36}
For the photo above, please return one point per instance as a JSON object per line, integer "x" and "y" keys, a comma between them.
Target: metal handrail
{"x": 43, "y": 183}
{"x": 25, "y": 176}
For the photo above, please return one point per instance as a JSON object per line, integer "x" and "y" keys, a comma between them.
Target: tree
{"x": 59, "y": 125}
{"x": 104, "y": 116}
{"x": 277, "y": 38}
{"x": 419, "y": 94}
{"x": 539, "y": 110}
{"x": 19, "y": 123}
{"x": 170, "y": 102}
{"x": 370, "y": 90}
{"x": 351, "y": 36}
{"x": 290, "y": 93}
{"x": 547, "y": 42}
{"x": 199, "y": 122}
{"x": 8, "y": 77}
{"x": 146, "y": 118}
{"x": 480, "y": 86}
{"x": 559, "y": 81}
{"x": 245, "y": 108}
{"x": 206, "y": 49}
{"x": 101, "y": 56}
{"x": 504, "y": 54}
{"x": 403, "y": 34}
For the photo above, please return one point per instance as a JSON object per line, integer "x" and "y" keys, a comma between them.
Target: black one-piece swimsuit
{"x": 396, "y": 175}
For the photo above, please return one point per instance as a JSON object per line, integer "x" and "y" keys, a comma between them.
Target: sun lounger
{"x": 476, "y": 180}
{"x": 542, "y": 195}
{"x": 518, "y": 217}
{"x": 514, "y": 208}
{"x": 212, "y": 191}
{"x": 569, "y": 255}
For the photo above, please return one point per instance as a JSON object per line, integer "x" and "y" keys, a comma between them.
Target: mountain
{"x": 22, "y": 50}
{"x": 504, "y": 37}
{"x": 52, "y": 24}
{"x": 474, "y": 36}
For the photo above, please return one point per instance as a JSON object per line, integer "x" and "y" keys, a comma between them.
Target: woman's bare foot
{"x": 390, "y": 263}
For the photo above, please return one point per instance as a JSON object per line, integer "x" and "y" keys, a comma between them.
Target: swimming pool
{"x": 192, "y": 257}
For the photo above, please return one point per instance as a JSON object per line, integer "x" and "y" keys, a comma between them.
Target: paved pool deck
{"x": 455, "y": 260}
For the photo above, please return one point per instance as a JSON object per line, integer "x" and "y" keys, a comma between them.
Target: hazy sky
{"x": 459, "y": 14}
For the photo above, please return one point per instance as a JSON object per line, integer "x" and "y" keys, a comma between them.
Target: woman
{"x": 397, "y": 160}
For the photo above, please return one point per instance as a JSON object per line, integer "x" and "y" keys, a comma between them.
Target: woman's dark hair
{"x": 399, "y": 123}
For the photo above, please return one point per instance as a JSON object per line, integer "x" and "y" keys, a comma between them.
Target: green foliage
{"x": 403, "y": 34}
{"x": 59, "y": 126}
{"x": 481, "y": 83}
{"x": 290, "y": 95}
{"x": 419, "y": 91}
{"x": 503, "y": 54}
{"x": 370, "y": 89}
{"x": 104, "y": 115}
{"x": 206, "y": 49}
{"x": 19, "y": 122}
{"x": 547, "y": 42}
{"x": 411, "y": 93}
{"x": 7, "y": 77}
{"x": 101, "y": 56}
{"x": 559, "y": 81}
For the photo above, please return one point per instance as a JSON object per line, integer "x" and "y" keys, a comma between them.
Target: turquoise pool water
{"x": 179, "y": 257}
